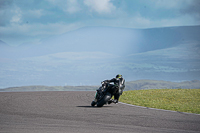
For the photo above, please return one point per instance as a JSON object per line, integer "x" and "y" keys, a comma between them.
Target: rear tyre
{"x": 104, "y": 100}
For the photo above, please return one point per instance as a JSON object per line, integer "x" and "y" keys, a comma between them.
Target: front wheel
{"x": 104, "y": 100}
{"x": 93, "y": 103}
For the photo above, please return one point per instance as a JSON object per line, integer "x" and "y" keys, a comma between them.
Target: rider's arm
{"x": 112, "y": 80}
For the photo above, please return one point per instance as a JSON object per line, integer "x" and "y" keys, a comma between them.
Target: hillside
{"x": 89, "y": 55}
{"x": 133, "y": 85}
{"x": 116, "y": 41}
{"x": 158, "y": 84}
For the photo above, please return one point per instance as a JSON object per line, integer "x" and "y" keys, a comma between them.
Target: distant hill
{"x": 49, "y": 88}
{"x": 89, "y": 55}
{"x": 116, "y": 41}
{"x": 133, "y": 85}
{"x": 158, "y": 84}
{"x": 120, "y": 41}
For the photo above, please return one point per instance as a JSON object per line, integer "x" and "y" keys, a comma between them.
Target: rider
{"x": 119, "y": 85}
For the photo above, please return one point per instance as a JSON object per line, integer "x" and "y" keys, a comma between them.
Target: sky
{"x": 29, "y": 21}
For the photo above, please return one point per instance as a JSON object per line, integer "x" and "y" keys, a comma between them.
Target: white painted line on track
{"x": 157, "y": 109}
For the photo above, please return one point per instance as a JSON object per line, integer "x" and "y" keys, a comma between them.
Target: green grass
{"x": 182, "y": 100}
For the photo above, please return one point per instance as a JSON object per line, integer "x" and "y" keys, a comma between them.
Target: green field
{"x": 182, "y": 100}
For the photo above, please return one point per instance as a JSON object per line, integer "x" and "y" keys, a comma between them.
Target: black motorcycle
{"x": 104, "y": 94}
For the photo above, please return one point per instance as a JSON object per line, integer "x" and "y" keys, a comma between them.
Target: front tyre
{"x": 104, "y": 100}
{"x": 93, "y": 103}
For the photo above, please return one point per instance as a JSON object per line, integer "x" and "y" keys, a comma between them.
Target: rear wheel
{"x": 104, "y": 100}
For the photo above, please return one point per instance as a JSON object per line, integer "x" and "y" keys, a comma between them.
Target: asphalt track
{"x": 70, "y": 112}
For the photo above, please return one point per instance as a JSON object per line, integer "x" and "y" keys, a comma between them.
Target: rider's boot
{"x": 110, "y": 101}
{"x": 115, "y": 101}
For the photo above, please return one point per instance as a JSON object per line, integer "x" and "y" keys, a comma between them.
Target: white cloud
{"x": 15, "y": 30}
{"x": 172, "y": 4}
{"x": 141, "y": 22}
{"x": 183, "y": 20}
{"x": 34, "y": 32}
{"x": 72, "y": 6}
{"x": 36, "y": 13}
{"x": 16, "y": 18}
{"x": 69, "y": 6}
{"x": 100, "y": 6}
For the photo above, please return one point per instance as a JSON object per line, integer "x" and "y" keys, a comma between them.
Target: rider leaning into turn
{"x": 119, "y": 85}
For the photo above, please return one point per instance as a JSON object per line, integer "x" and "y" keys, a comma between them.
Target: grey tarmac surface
{"x": 70, "y": 112}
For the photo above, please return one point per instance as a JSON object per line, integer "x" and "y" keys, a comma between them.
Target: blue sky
{"x": 29, "y": 21}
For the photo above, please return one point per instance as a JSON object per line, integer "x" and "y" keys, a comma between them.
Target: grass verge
{"x": 182, "y": 100}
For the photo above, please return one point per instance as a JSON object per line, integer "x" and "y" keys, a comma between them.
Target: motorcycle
{"x": 104, "y": 94}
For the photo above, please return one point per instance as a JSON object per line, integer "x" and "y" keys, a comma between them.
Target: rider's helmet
{"x": 118, "y": 76}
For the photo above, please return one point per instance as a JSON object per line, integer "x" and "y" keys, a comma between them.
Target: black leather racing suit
{"x": 119, "y": 85}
